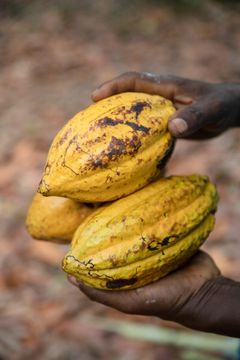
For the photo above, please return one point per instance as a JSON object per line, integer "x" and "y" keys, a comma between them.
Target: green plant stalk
{"x": 155, "y": 334}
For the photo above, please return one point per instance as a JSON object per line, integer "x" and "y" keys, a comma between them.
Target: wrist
{"x": 214, "y": 308}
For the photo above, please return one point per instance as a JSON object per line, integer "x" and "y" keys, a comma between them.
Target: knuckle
{"x": 130, "y": 74}
{"x": 195, "y": 113}
{"x": 171, "y": 78}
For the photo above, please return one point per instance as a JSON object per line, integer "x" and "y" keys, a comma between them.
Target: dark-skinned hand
{"x": 204, "y": 110}
{"x": 172, "y": 297}
{"x": 196, "y": 295}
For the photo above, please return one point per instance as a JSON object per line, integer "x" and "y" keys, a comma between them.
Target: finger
{"x": 122, "y": 83}
{"x": 165, "y": 85}
{"x": 204, "y": 134}
{"x": 190, "y": 119}
{"x": 73, "y": 280}
{"x": 124, "y": 301}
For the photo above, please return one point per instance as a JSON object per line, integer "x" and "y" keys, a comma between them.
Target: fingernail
{"x": 179, "y": 125}
{"x": 186, "y": 100}
{"x": 73, "y": 280}
{"x": 95, "y": 93}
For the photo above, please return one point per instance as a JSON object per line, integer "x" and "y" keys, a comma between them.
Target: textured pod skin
{"x": 110, "y": 149}
{"x": 144, "y": 236}
{"x": 54, "y": 218}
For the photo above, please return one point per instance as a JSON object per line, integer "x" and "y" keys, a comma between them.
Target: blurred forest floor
{"x": 53, "y": 54}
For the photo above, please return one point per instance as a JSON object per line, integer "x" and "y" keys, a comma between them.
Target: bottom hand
{"x": 171, "y": 298}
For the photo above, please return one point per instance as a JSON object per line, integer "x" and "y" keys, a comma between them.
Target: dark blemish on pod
{"x": 98, "y": 163}
{"x": 123, "y": 219}
{"x": 157, "y": 244}
{"x": 110, "y": 122}
{"x": 169, "y": 239}
{"x": 115, "y": 284}
{"x": 139, "y": 106}
{"x": 96, "y": 141}
{"x": 152, "y": 247}
{"x": 109, "y": 179}
{"x": 113, "y": 260}
{"x": 137, "y": 127}
{"x": 64, "y": 137}
{"x": 166, "y": 240}
{"x": 116, "y": 148}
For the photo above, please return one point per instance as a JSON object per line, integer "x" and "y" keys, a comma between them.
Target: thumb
{"x": 190, "y": 119}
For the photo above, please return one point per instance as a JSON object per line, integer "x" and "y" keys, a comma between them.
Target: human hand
{"x": 175, "y": 297}
{"x": 204, "y": 110}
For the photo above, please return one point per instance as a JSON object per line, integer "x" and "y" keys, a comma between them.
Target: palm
{"x": 164, "y": 298}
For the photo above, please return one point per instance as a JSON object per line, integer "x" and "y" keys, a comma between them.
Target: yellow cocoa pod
{"x": 144, "y": 236}
{"x": 110, "y": 149}
{"x": 55, "y": 218}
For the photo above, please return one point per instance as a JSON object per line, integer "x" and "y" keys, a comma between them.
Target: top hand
{"x": 204, "y": 110}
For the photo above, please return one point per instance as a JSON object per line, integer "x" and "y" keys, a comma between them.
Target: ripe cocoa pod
{"x": 55, "y": 218}
{"x": 144, "y": 236}
{"x": 110, "y": 149}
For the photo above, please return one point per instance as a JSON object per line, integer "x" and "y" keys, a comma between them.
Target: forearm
{"x": 215, "y": 308}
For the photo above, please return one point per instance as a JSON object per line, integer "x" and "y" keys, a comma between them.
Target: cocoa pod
{"x": 55, "y": 218}
{"x": 144, "y": 236}
{"x": 111, "y": 149}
